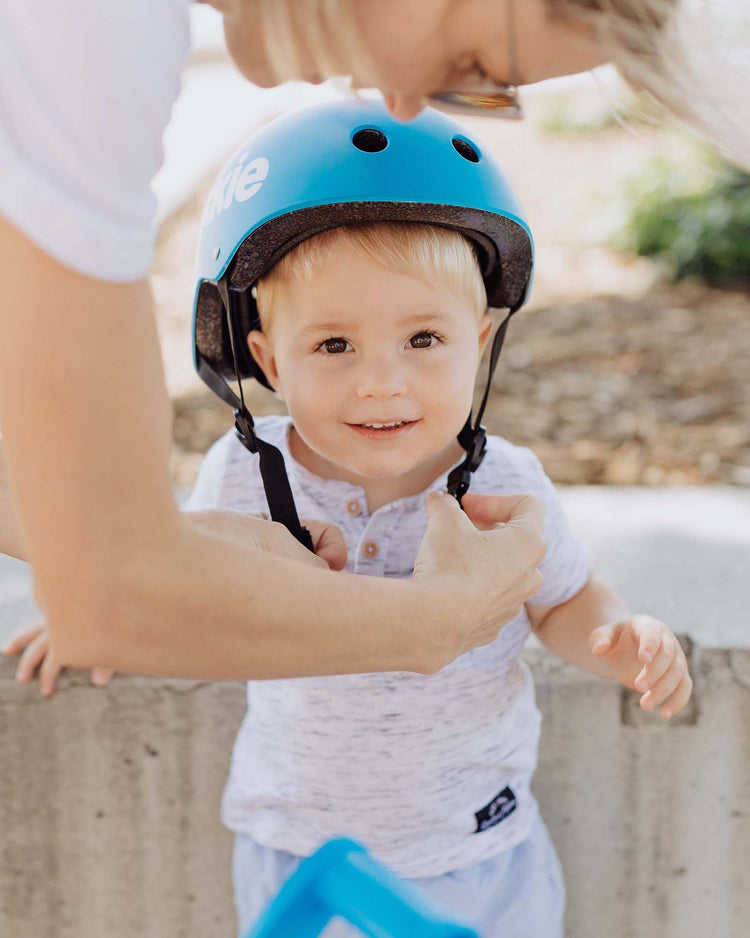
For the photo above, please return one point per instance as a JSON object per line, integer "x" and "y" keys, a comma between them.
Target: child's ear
{"x": 260, "y": 348}
{"x": 485, "y": 327}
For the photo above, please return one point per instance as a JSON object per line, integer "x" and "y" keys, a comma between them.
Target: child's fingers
{"x": 666, "y": 685}
{"x": 101, "y": 676}
{"x": 605, "y": 637}
{"x": 31, "y": 657}
{"x": 648, "y": 634}
{"x": 678, "y": 699}
{"x": 49, "y": 673}
{"x": 669, "y": 649}
{"x": 20, "y": 639}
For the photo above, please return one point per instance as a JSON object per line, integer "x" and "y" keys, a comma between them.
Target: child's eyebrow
{"x": 425, "y": 319}
{"x": 327, "y": 327}
{"x": 415, "y": 319}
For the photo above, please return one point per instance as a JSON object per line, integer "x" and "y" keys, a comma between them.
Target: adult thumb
{"x": 443, "y": 508}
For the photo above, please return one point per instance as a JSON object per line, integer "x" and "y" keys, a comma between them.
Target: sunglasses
{"x": 482, "y": 96}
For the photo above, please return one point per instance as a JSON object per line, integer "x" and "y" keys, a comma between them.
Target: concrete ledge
{"x": 109, "y": 802}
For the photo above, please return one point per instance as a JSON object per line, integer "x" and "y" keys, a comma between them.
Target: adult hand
{"x": 483, "y": 560}
{"x": 251, "y": 530}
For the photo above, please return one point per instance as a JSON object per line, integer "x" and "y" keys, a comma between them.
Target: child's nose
{"x": 382, "y": 377}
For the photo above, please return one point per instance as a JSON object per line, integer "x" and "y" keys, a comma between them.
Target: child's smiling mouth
{"x": 377, "y": 430}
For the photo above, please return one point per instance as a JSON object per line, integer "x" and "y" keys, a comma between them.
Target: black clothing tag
{"x": 497, "y": 810}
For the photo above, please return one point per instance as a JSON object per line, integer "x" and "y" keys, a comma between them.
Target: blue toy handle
{"x": 342, "y": 879}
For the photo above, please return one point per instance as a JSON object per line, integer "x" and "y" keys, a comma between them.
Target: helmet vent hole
{"x": 465, "y": 149}
{"x": 370, "y": 140}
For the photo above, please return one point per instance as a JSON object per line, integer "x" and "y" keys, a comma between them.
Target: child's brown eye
{"x": 335, "y": 346}
{"x": 422, "y": 340}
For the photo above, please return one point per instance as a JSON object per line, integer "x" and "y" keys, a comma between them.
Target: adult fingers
{"x": 490, "y": 573}
{"x": 329, "y": 543}
{"x": 21, "y": 638}
{"x": 487, "y": 511}
{"x": 446, "y": 527}
{"x": 274, "y": 538}
{"x": 31, "y": 657}
{"x": 251, "y": 530}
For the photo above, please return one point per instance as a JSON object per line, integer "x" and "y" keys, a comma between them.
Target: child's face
{"x": 359, "y": 346}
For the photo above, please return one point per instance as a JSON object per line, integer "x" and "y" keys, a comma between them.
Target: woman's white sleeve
{"x": 86, "y": 89}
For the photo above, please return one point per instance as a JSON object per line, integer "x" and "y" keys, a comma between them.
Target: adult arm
{"x": 11, "y": 535}
{"x": 119, "y": 572}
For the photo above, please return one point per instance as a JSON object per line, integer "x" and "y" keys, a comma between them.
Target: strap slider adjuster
{"x": 245, "y": 429}
{"x": 459, "y": 481}
{"x": 479, "y": 447}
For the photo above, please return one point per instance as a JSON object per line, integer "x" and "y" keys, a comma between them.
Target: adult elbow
{"x": 86, "y": 617}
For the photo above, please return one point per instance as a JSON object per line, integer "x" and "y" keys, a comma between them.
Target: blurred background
{"x": 630, "y": 363}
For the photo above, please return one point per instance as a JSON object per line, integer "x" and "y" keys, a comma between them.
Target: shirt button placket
{"x": 371, "y": 551}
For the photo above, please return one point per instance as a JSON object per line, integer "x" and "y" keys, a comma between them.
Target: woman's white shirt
{"x": 86, "y": 90}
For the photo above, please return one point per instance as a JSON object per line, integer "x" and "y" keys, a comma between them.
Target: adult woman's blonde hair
{"x": 693, "y": 56}
{"x": 690, "y": 55}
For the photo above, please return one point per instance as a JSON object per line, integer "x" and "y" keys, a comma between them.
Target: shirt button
{"x": 370, "y": 549}
{"x": 353, "y": 507}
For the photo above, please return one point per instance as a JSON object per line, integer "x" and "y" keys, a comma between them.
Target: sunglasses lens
{"x": 504, "y": 104}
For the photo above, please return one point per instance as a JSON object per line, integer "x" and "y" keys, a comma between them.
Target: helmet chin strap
{"x": 272, "y": 469}
{"x": 474, "y": 438}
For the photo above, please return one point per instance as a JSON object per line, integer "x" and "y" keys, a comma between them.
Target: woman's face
{"x": 422, "y": 46}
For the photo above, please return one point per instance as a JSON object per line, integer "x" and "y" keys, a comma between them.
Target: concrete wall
{"x": 109, "y": 806}
{"x": 109, "y": 802}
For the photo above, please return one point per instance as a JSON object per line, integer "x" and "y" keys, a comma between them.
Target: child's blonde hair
{"x": 438, "y": 256}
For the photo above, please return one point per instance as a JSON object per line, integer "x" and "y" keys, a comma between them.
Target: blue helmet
{"x": 336, "y": 164}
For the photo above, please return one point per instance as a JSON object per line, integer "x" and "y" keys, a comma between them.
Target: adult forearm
{"x": 567, "y": 628}
{"x": 203, "y": 607}
{"x": 11, "y": 536}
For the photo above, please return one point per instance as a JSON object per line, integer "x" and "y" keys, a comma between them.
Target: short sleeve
{"x": 86, "y": 90}
{"x": 208, "y": 491}
{"x": 566, "y": 567}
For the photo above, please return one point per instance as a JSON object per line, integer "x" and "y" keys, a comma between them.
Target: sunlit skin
{"x": 359, "y": 344}
{"x": 423, "y": 46}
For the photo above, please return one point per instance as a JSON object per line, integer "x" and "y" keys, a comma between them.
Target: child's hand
{"x": 649, "y": 658}
{"x": 32, "y": 643}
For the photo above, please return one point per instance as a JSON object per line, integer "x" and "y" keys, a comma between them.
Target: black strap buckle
{"x": 479, "y": 447}
{"x": 459, "y": 479}
{"x": 245, "y": 429}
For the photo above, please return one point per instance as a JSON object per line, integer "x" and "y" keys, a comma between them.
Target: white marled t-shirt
{"x": 431, "y": 772}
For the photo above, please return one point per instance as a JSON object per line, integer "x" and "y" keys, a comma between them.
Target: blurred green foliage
{"x": 568, "y": 115}
{"x": 693, "y": 217}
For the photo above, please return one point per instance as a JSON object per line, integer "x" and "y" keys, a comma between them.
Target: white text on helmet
{"x": 236, "y": 185}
